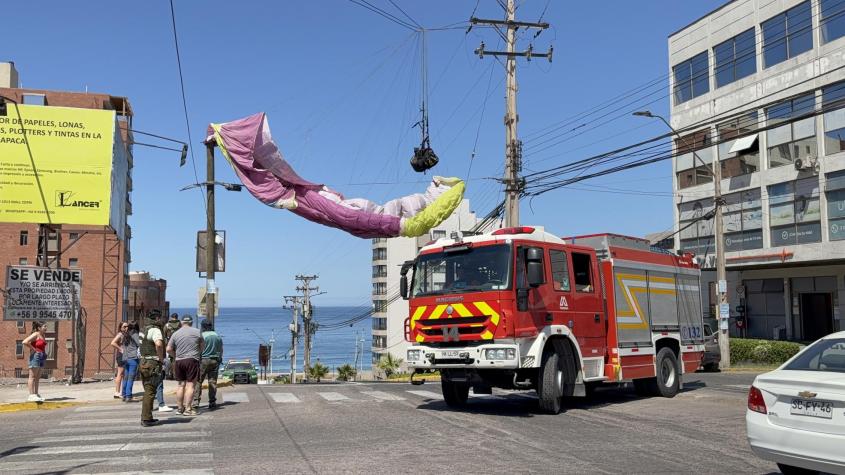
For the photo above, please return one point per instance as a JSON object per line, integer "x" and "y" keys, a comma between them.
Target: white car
{"x": 796, "y": 413}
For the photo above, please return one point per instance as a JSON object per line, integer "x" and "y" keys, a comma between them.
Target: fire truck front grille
{"x": 461, "y": 331}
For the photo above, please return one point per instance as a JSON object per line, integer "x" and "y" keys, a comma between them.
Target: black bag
{"x": 424, "y": 159}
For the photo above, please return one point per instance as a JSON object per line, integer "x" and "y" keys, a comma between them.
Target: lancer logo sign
{"x": 66, "y": 198}
{"x": 58, "y": 165}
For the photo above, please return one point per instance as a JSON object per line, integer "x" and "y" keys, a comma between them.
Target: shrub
{"x": 346, "y": 372}
{"x": 282, "y": 379}
{"x": 767, "y": 352}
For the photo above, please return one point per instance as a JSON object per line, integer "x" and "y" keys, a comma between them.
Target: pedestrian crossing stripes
{"x": 284, "y": 397}
{"x": 333, "y": 396}
{"x": 235, "y": 397}
{"x": 383, "y": 395}
{"x": 128, "y": 447}
{"x": 118, "y": 436}
{"x": 426, "y": 394}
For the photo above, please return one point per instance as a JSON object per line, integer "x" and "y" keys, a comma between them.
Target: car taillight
{"x": 756, "y": 402}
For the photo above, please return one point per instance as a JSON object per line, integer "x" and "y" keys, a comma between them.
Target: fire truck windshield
{"x": 473, "y": 270}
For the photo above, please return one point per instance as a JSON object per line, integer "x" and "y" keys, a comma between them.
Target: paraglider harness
{"x": 424, "y": 157}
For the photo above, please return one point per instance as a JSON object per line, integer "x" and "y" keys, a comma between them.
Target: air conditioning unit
{"x": 809, "y": 163}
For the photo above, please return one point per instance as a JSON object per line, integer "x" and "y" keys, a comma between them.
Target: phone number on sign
{"x": 34, "y": 314}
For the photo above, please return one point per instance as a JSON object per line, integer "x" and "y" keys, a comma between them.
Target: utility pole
{"x": 514, "y": 183}
{"x": 718, "y": 237}
{"x": 308, "y": 325}
{"x": 210, "y": 234}
{"x": 294, "y": 301}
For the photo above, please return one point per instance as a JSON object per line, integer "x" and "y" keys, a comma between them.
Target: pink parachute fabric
{"x": 247, "y": 145}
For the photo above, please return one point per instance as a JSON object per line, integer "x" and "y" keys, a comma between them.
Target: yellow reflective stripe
{"x": 462, "y": 310}
{"x": 487, "y": 310}
{"x": 420, "y": 338}
{"x": 438, "y": 310}
{"x": 417, "y": 314}
{"x": 487, "y": 335}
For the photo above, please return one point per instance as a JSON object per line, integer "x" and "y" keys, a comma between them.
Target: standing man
{"x": 152, "y": 356}
{"x": 212, "y": 355}
{"x": 186, "y": 346}
{"x": 169, "y": 329}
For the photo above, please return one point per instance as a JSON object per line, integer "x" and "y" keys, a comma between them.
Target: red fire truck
{"x": 520, "y": 308}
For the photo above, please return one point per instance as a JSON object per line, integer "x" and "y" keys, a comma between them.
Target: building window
{"x": 832, "y": 19}
{"x": 379, "y": 341}
{"x": 692, "y": 78}
{"x": 19, "y": 348}
{"x": 379, "y": 288}
{"x": 34, "y": 99}
{"x": 379, "y": 240}
{"x": 736, "y": 58}
{"x": 380, "y": 271}
{"x": 24, "y": 239}
{"x": 379, "y": 306}
{"x": 690, "y": 170}
{"x": 787, "y": 35}
{"x": 739, "y": 156}
{"x": 73, "y": 236}
{"x": 73, "y": 262}
{"x": 437, "y": 234}
{"x": 696, "y": 231}
{"x": 19, "y": 373}
{"x": 21, "y": 326}
{"x": 794, "y": 213}
{"x": 379, "y": 323}
{"x": 742, "y": 221}
{"x": 833, "y": 102}
{"x": 835, "y": 189}
{"x": 50, "y": 349}
{"x": 560, "y": 270}
{"x": 792, "y": 140}
{"x": 379, "y": 253}
{"x": 23, "y": 261}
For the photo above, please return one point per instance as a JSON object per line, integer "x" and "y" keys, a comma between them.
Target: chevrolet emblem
{"x": 807, "y": 394}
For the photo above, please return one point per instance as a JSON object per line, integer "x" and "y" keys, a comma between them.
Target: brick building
{"x": 146, "y": 293}
{"x": 101, "y": 252}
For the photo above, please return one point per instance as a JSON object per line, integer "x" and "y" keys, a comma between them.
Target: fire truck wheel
{"x": 557, "y": 376}
{"x": 455, "y": 394}
{"x": 668, "y": 381}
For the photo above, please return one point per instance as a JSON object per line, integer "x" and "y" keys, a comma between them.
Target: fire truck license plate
{"x": 805, "y": 407}
{"x": 449, "y": 354}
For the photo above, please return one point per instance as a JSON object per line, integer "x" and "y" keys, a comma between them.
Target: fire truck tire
{"x": 557, "y": 377}
{"x": 667, "y": 380}
{"x": 455, "y": 394}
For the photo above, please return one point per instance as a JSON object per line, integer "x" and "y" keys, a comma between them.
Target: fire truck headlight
{"x": 500, "y": 353}
{"x": 413, "y": 355}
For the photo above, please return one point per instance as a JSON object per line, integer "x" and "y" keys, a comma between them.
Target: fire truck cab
{"x": 520, "y": 308}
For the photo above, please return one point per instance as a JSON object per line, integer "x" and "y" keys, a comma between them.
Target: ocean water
{"x": 243, "y": 329}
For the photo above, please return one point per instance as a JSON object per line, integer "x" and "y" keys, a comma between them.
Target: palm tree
{"x": 318, "y": 371}
{"x": 389, "y": 364}
{"x": 346, "y": 372}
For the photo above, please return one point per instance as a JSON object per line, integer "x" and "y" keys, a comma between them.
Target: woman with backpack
{"x": 117, "y": 344}
{"x": 131, "y": 358}
{"x": 38, "y": 345}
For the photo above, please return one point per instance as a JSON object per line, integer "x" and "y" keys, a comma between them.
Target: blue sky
{"x": 341, "y": 88}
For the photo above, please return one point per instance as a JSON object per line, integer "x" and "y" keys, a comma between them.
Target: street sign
{"x": 201, "y": 302}
{"x": 220, "y": 247}
{"x": 41, "y": 293}
{"x": 723, "y": 286}
{"x": 724, "y": 310}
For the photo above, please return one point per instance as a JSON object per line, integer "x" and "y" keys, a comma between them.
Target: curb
{"x": 35, "y": 406}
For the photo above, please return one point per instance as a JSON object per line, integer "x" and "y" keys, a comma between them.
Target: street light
{"x": 721, "y": 271}
{"x": 227, "y": 186}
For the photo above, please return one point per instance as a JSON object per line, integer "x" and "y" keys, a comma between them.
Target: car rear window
{"x": 823, "y": 355}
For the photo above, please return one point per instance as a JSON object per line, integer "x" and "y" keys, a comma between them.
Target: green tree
{"x": 318, "y": 371}
{"x": 389, "y": 364}
{"x": 346, "y": 372}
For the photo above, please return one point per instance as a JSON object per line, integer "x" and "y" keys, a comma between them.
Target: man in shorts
{"x": 186, "y": 346}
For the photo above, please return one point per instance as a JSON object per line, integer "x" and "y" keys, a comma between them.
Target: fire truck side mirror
{"x": 403, "y": 287}
{"x": 534, "y": 266}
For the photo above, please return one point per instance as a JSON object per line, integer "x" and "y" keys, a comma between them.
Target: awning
{"x": 743, "y": 144}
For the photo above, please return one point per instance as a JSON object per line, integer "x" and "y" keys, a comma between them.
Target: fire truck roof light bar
{"x": 515, "y": 230}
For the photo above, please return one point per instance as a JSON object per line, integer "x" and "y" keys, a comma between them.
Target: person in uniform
{"x": 212, "y": 355}
{"x": 152, "y": 358}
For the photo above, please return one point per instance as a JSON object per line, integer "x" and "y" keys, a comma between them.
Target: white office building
{"x": 389, "y": 309}
{"x": 759, "y": 85}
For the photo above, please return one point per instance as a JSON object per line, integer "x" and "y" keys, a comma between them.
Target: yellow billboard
{"x": 56, "y": 161}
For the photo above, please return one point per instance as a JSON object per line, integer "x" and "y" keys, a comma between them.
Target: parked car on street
{"x": 240, "y": 372}
{"x": 712, "y": 352}
{"x": 796, "y": 413}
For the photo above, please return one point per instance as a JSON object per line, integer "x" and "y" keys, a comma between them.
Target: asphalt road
{"x": 396, "y": 428}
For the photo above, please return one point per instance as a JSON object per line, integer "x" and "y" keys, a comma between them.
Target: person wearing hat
{"x": 152, "y": 356}
{"x": 186, "y": 346}
{"x": 169, "y": 329}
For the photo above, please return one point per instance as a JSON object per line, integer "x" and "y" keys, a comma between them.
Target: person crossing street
{"x": 152, "y": 356}
{"x": 186, "y": 346}
{"x": 212, "y": 355}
